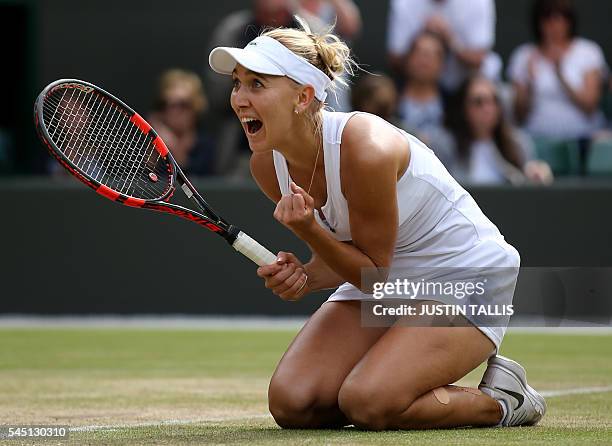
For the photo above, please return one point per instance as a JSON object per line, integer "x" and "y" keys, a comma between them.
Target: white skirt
{"x": 491, "y": 262}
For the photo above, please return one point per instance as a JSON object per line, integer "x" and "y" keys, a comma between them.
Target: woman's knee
{"x": 371, "y": 407}
{"x": 298, "y": 404}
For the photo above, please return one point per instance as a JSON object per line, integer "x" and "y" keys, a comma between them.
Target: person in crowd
{"x": 487, "y": 148}
{"x": 376, "y": 93}
{"x": 344, "y": 17}
{"x": 466, "y": 26}
{"x": 421, "y": 104}
{"x": 236, "y": 30}
{"x": 179, "y": 104}
{"x": 557, "y": 79}
{"x": 344, "y": 14}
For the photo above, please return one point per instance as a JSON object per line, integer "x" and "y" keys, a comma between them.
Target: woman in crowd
{"x": 487, "y": 148}
{"x": 421, "y": 106}
{"x": 557, "y": 79}
{"x": 344, "y": 14}
{"x": 376, "y": 93}
{"x": 179, "y": 105}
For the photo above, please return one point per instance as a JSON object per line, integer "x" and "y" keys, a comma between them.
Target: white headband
{"x": 266, "y": 55}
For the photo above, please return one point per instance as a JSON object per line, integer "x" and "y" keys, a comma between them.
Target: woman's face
{"x": 555, "y": 27}
{"x": 482, "y": 108}
{"x": 264, "y": 104}
{"x": 426, "y": 60}
{"x": 178, "y": 108}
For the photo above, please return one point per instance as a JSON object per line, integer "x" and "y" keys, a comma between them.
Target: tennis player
{"x": 364, "y": 194}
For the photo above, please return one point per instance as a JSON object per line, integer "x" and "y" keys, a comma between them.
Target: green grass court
{"x": 188, "y": 387}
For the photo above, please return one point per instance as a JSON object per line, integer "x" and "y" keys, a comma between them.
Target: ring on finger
{"x": 303, "y": 285}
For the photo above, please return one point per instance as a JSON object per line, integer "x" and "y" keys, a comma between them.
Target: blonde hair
{"x": 325, "y": 51}
{"x": 177, "y": 76}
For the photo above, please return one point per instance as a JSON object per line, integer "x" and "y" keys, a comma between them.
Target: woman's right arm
{"x": 320, "y": 276}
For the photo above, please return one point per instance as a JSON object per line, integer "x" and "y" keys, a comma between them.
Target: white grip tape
{"x": 253, "y": 250}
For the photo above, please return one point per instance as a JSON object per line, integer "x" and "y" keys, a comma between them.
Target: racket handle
{"x": 253, "y": 250}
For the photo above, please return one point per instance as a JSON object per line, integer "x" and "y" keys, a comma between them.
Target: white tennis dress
{"x": 442, "y": 235}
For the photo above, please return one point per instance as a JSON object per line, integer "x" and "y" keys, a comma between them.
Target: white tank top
{"x": 438, "y": 219}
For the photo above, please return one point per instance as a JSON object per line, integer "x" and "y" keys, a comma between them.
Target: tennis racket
{"x": 113, "y": 150}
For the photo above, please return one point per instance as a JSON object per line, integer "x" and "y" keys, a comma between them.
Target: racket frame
{"x": 208, "y": 218}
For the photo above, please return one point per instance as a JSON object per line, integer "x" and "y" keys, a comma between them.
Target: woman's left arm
{"x": 369, "y": 171}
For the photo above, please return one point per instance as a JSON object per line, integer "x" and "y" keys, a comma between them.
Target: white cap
{"x": 265, "y": 55}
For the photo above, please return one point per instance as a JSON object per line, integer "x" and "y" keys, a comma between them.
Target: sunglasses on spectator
{"x": 480, "y": 100}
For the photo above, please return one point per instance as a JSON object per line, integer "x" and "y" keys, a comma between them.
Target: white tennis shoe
{"x": 505, "y": 380}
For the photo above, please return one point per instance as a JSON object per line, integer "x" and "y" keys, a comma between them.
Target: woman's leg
{"x": 304, "y": 389}
{"x": 403, "y": 381}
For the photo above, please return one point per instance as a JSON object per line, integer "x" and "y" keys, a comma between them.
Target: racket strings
{"x": 97, "y": 136}
{"x": 117, "y": 170}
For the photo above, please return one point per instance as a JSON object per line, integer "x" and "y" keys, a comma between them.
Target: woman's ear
{"x": 306, "y": 95}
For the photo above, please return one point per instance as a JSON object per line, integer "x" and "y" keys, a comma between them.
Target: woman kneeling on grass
{"x": 375, "y": 197}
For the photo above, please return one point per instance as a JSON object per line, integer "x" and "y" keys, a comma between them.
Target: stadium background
{"x": 123, "y": 46}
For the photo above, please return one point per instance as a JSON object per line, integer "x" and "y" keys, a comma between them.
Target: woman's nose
{"x": 240, "y": 98}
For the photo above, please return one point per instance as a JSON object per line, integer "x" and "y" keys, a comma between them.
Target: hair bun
{"x": 334, "y": 54}
{"x": 325, "y": 51}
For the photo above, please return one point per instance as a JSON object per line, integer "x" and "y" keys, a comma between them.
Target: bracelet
{"x": 303, "y": 285}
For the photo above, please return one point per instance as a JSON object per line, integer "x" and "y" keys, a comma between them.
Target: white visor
{"x": 265, "y": 55}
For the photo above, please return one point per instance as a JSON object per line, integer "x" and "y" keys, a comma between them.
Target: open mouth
{"x": 252, "y": 125}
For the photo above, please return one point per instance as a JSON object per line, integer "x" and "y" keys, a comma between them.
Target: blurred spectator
{"x": 558, "y": 79}
{"x": 421, "y": 107}
{"x": 488, "y": 150}
{"x": 236, "y": 30}
{"x": 179, "y": 104}
{"x": 343, "y": 13}
{"x": 376, "y": 94}
{"x": 466, "y": 26}
{"x": 345, "y": 17}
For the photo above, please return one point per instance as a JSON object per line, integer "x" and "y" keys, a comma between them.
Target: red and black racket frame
{"x": 211, "y": 221}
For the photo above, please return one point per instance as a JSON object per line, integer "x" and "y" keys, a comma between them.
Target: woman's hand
{"x": 296, "y": 211}
{"x": 538, "y": 172}
{"x": 286, "y": 278}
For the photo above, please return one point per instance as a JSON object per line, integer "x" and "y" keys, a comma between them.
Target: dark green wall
{"x": 66, "y": 251}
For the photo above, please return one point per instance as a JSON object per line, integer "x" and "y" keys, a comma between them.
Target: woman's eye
{"x": 257, "y": 84}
